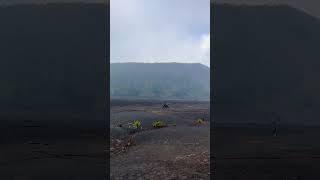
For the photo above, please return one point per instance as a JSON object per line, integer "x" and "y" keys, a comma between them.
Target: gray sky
{"x": 160, "y": 31}
{"x": 312, "y": 7}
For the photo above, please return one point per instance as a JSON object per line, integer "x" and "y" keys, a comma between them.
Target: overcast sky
{"x": 160, "y": 31}
{"x": 311, "y": 7}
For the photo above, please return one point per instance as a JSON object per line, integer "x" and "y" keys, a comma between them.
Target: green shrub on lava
{"x": 158, "y": 124}
{"x": 199, "y": 121}
{"x": 137, "y": 124}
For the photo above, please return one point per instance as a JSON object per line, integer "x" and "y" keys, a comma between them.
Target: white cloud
{"x": 160, "y": 31}
{"x": 205, "y": 47}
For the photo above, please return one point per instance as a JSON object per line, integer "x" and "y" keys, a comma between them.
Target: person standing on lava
{"x": 165, "y": 106}
{"x": 274, "y": 124}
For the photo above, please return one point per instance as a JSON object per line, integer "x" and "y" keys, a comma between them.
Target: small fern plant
{"x": 158, "y": 124}
{"x": 137, "y": 124}
{"x": 199, "y": 121}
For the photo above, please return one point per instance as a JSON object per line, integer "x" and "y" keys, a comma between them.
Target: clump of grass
{"x": 158, "y": 124}
{"x": 137, "y": 124}
{"x": 199, "y": 121}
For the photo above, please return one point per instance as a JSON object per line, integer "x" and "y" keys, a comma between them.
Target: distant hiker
{"x": 274, "y": 125}
{"x": 165, "y": 106}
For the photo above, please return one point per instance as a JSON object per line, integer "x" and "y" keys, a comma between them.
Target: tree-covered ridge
{"x": 160, "y": 80}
